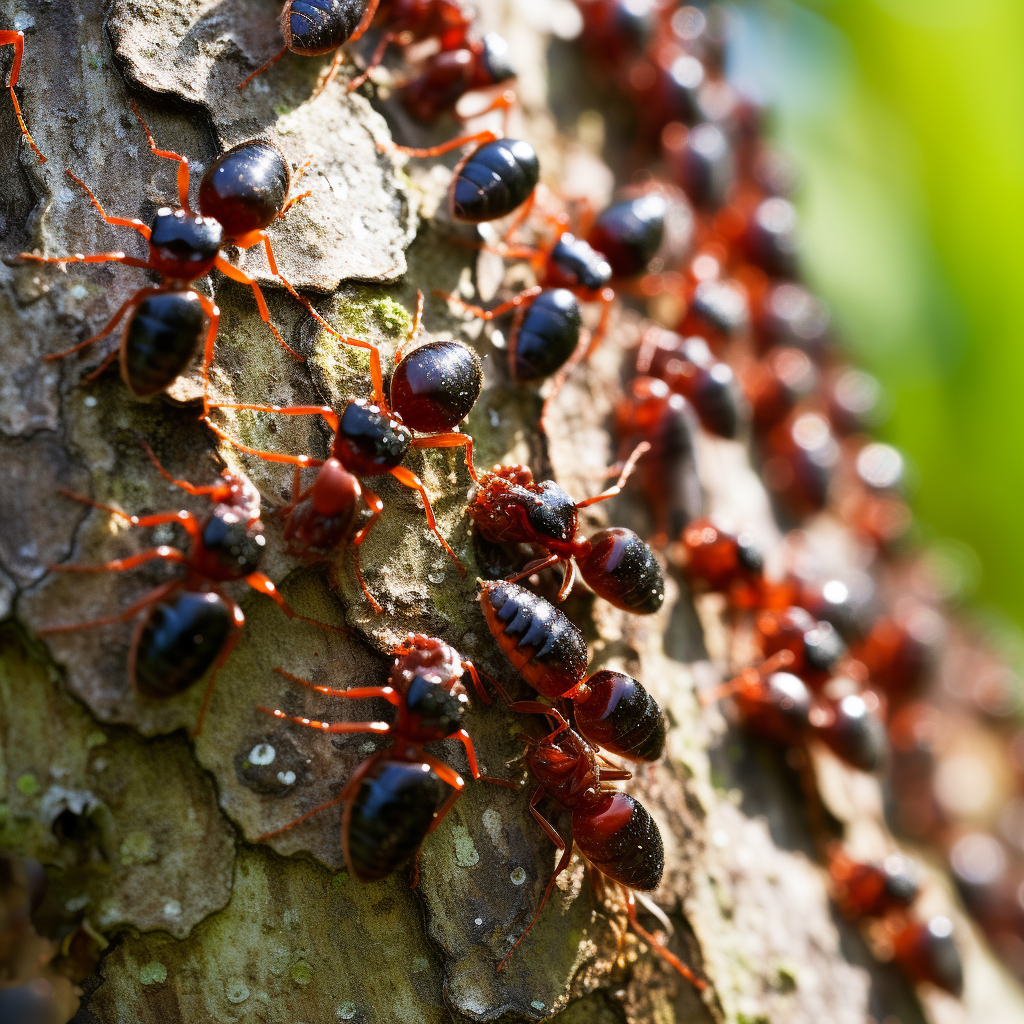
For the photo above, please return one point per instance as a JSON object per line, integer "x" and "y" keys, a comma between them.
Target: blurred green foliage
{"x": 905, "y": 119}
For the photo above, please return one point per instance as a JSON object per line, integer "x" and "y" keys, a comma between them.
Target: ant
{"x": 392, "y": 799}
{"x": 666, "y": 421}
{"x": 611, "y": 709}
{"x": 778, "y": 706}
{"x": 189, "y": 622}
{"x": 688, "y": 366}
{"x": 716, "y": 559}
{"x": 615, "y": 833}
{"x": 432, "y": 389}
{"x": 496, "y": 177}
{"x": 871, "y": 890}
{"x": 816, "y": 645}
{"x": 510, "y": 508}
{"x": 314, "y": 27}
{"x": 241, "y": 193}
{"x": 17, "y": 40}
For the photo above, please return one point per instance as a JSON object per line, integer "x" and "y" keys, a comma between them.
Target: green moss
{"x": 28, "y": 785}
{"x": 302, "y": 973}
{"x": 153, "y": 973}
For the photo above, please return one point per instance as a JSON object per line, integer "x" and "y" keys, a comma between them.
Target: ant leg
{"x": 168, "y": 554}
{"x": 128, "y": 222}
{"x": 102, "y": 368}
{"x": 192, "y": 489}
{"x": 213, "y": 314}
{"x": 521, "y": 216}
{"x": 464, "y": 738}
{"x": 750, "y": 679}
{"x": 535, "y": 566}
{"x": 168, "y": 155}
{"x": 185, "y": 519}
{"x": 658, "y": 948}
{"x": 378, "y": 728}
{"x": 641, "y": 449}
{"x": 480, "y": 138}
{"x": 534, "y": 707}
{"x": 568, "y": 580}
{"x": 111, "y": 324}
{"x": 300, "y": 461}
{"x": 477, "y": 682}
{"x": 332, "y": 73}
{"x": 560, "y": 378}
{"x": 349, "y": 789}
{"x": 288, "y": 410}
{"x": 237, "y": 622}
{"x": 243, "y": 278}
{"x": 490, "y": 314}
{"x": 273, "y": 60}
{"x": 376, "y": 375}
{"x": 376, "y": 507}
{"x": 289, "y": 203}
{"x": 357, "y": 692}
{"x": 417, "y": 323}
{"x": 96, "y": 257}
{"x": 607, "y": 298}
{"x": 452, "y": 439}
{"x": 563, "y": 863}
{"x": 17, "y": 40}
{"x": 158, "y": 594}
{"x": 378, "y": 55}
{"x": 367, "y": 20}
{"x": 262, "y": 584}
{"x": 411, "y": 480}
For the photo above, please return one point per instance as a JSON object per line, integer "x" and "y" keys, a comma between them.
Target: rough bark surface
{"x": 151, "y": 837}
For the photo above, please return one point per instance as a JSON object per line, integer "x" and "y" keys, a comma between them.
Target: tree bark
{"x": 150, "y": 838}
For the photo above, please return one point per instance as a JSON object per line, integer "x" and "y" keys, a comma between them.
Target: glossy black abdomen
{"x": 436, "y": 385}
{"x": 547, "y": 336}
{"x": 389, "y": 817}
{"x": 622, "y": 569}
{"x": 162, "y": 337}
{"x": 245, "y": 188}
{"x": 620, "y": 715}
{"x": 496, "y": 179}
{"x": 179, "y": 640}
{"x": 319, "y": 26}
{"x": 619, "y": 836}
{"x": 629, "y": 233}
{"x": 574, "y": 262}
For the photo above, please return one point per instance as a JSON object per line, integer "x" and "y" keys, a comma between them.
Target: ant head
{"x": 335, "y": 490}
{"x": 231, "y": 545}
{"x": 418, "y": 654}
{"x": 245, "y": 188}
{"x": 184, "y": 245}
{"x": 564, "y": 763}
{"x": 369, "y": 441}
{"x": 436, "y": 385}
{"x": 437, "y": 711}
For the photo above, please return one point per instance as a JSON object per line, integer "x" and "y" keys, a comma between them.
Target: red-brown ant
{"x": 615, "y": 833}
{"x": 392, "y": 799}
{"x": 241, "y": 193}
{"x": 190, "y": 623}
{"x": 612, "y": 710}
{"x": 510, "y": 508}
{"x": 314, "y": 27}
{"x": 816, "y": 646}
{"x": 716, "y": 559}
{"x": 432, "y": 389}
{"x": 871, "y": 890}
{"x": 17, "y": 40}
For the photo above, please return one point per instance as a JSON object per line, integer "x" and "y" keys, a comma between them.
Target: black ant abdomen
{"x": 621, "y": 568}
{"x": 617, "y": 713}
{"x": 385, "y": 822}
{"x": 619, "y": 837}
{"x": 160, "y": 341}
{"x": 436, "y": 385}
{"x": 178, "y": 641}
{"x": 628, "y": 233}
{"x": 494, "y": 180}
{"x": 547, "y": 336}
{"x": 851, "y": 729}
{"x": 246, "y": 187}
{"x": 313, "y": 27}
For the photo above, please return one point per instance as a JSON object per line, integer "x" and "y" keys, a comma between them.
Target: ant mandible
{"x": 241, "y": 193}
{"x": 190, "y": 623}
{"x": 391, "y": 800}
{"x": 432, "y": 389}
{"x": 17, "y": 40}
{"x": 615, "y": 833}
{"x": 611, "y": 709}
{"x": 314, "y": 27}
{"x": 510, "y": 508}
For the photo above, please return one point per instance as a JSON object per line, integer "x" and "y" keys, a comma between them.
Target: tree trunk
{"x": 162, "y": 902}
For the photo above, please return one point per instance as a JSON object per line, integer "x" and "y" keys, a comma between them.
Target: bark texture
{"x": 150, "y": 838}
